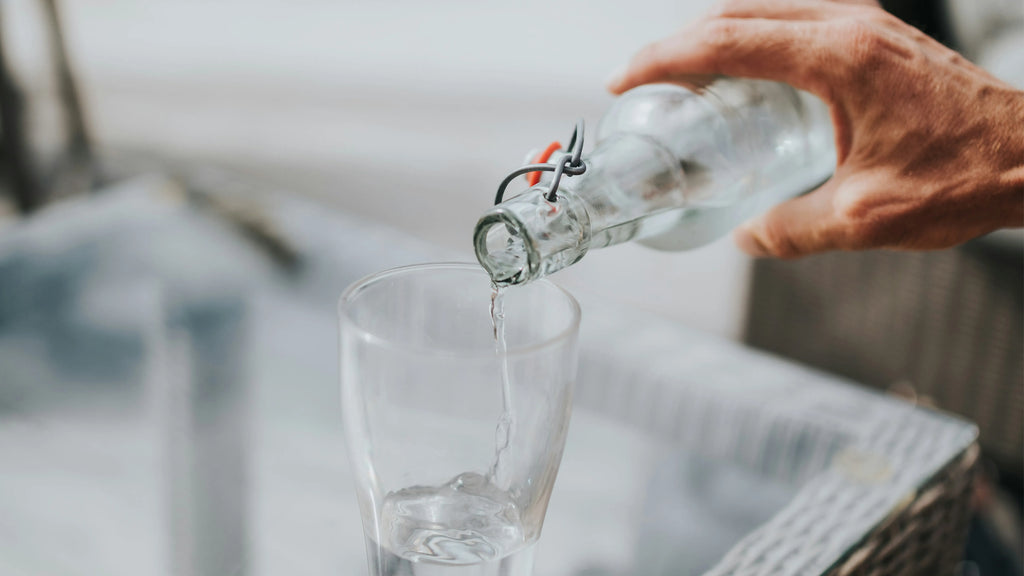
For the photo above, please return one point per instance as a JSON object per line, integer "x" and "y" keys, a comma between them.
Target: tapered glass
{"x": 455, "y": 434}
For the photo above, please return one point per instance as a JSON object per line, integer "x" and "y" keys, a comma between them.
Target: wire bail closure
{"x": 568, "y": 164}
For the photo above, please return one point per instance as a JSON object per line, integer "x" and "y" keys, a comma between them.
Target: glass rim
{"x": 346, "y": 319}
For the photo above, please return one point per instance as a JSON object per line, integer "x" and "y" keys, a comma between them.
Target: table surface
{"x": 686, "y": 454}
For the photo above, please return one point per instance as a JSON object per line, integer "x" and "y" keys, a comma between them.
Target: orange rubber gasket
{"x": 533, "y": 177}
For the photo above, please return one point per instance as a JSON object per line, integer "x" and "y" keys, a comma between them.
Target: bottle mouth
{"x": 505, "y": 249}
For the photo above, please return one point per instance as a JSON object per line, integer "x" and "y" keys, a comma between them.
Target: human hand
{"x": 930, "y": 148}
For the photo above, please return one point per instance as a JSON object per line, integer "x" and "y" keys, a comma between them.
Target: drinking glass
{"x": 455, "y": 439}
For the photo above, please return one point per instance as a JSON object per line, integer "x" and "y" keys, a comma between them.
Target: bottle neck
{"x": 527, "y": 237}
{"x": 629, "y": 180}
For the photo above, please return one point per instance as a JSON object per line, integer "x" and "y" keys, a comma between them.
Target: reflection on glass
{"x": 449, "y": 481}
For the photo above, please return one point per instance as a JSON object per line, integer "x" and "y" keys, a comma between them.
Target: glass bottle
{"x": 673, "y": 168}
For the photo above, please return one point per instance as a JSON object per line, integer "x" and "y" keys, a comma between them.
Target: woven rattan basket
{"x": 883, "y": 485}
{"x": 946, "y": 325}
{"x": 924, "y": 538}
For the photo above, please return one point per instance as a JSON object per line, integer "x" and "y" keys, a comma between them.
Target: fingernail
{"x": 615, "y": 78}
{"x": 748, "y": 242}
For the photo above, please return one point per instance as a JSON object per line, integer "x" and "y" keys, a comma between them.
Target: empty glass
{"x": 453, "y": 467}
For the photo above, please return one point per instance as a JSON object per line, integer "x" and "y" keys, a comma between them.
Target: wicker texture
{"x": 877, "y": 491}
{"x": 926, "y": 538}
{"x": 947, "y": 323}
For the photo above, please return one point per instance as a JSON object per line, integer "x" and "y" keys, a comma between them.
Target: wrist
{"x": 1010, "y": 153}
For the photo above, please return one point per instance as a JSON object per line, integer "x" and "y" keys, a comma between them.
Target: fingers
{"x": 784, "y": 51}
{"x": 781, "y": 40}
{"x": 798, "y": 227}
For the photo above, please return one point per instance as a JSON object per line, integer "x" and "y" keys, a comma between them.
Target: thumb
{"x": 798, "y": 227}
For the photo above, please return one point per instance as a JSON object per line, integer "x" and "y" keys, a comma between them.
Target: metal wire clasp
{"x": 569, "y": 164}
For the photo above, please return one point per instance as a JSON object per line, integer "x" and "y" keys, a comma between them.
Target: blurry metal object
{"x": 225, "y": 193}
{"x": 31, "y": 180}
{"x": 15, "y": 150}
{"x": 231, "y": 198}
{"x": 257, "y": 225}
{"x": 74, "y": 172}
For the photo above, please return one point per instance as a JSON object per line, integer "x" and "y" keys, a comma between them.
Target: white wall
{"x": 407, "y": 111}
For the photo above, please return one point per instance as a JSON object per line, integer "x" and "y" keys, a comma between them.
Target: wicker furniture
{"x": 945, "y": 326}
{"x": 883, "y": 485}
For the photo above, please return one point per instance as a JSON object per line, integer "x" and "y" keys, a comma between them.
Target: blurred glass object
{"x": 455, "y": 416}
{"x": 123, "y": 409}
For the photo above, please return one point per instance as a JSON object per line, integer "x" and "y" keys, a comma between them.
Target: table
{"x": 169, "y": 405}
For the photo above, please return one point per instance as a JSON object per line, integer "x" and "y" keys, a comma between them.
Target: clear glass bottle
{"x": 672, "y": 168}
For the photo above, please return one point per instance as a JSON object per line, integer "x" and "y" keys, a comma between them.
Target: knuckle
{"x": 720, "y": 34}
{"x": 850, "y": 206}
{"x": 952, "y": 58}
{"x": 865, "y": 226}
{"x": 862, "y": 40}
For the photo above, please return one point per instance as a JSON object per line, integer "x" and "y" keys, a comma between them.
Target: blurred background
{"x": 407, "y": 112}
{"x": 186, "y": 147}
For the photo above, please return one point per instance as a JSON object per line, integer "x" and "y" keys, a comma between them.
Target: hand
{"x": 930, "y": 147}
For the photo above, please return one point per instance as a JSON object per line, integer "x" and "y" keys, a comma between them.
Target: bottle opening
{"x": 503, "y": 249}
